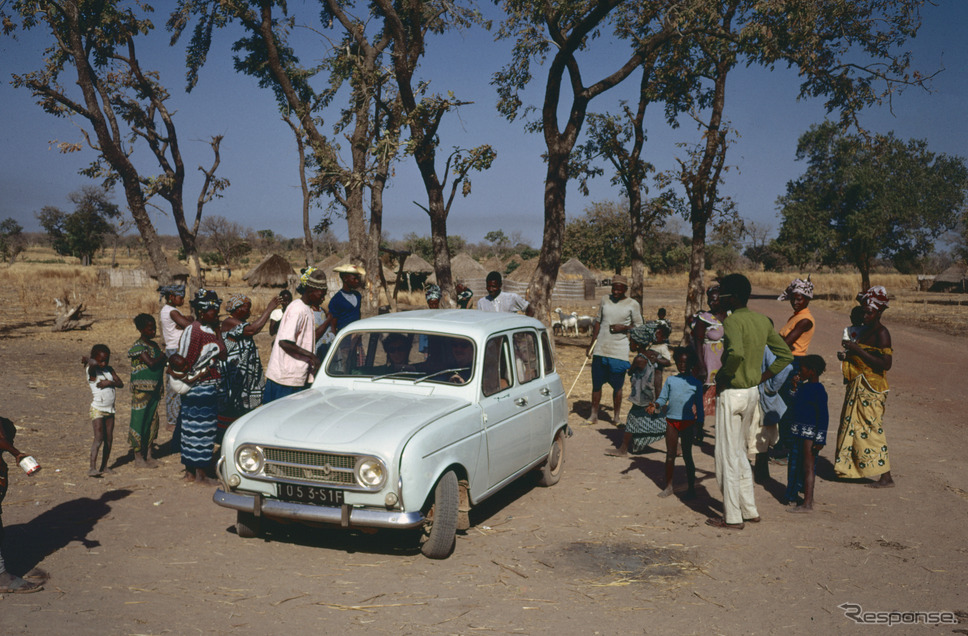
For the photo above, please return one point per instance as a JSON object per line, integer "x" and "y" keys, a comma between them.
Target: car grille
{"x": 322, "y": 468}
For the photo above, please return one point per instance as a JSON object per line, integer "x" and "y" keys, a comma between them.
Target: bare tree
{"x": 120, "y": 103}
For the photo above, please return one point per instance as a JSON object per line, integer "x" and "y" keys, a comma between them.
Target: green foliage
{"x": 423, "y": 246}
{"x": 11, "y": 239}
{"x": 602, "y": 238}
{"x": 861, "y": 198}
{"x": 80, "y": 233}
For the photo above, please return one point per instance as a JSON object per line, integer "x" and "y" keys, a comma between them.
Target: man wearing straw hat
{"x": 293, "y": 360}
{"x": 345, "y": 305}
{"x": 610, "y": 346}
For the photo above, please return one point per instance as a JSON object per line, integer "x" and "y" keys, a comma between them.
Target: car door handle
{"x": 521, "y": 401}
{"x": 545, "y": 391}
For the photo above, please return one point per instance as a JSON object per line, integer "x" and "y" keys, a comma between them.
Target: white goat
{"x": 567, "y": 321}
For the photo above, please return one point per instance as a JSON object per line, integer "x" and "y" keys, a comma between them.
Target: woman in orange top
{"x": 797, "y": 333}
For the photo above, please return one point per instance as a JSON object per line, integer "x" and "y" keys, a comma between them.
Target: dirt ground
{"x": 142, "y": 552}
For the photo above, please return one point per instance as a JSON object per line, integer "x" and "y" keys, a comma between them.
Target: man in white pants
{"x": 747, "y": 334}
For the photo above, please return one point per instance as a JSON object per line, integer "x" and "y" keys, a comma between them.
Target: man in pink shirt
{"x": 292, "y": 361}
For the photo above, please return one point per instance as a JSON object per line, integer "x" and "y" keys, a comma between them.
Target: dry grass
{"x": 27, "y": 286}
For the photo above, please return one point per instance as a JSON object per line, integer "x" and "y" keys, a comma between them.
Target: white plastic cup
{"x": 29, "y": 465}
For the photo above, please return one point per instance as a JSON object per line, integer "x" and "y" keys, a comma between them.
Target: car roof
{"x": 469, "y": 322}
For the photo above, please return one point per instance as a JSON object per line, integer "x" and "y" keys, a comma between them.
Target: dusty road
{"x": 141, "y": 552}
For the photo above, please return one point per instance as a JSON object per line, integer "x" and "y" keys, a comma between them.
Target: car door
{"x": 506, "y": 420}
{"x": 532, "y": 394}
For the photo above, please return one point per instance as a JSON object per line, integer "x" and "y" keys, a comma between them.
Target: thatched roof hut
{"x": 463, "y": 267}
{"x": 494, "y": 264}
{"x": 953, "y": 279}
{"x": 575, "y": 269}
{"x": 179, "y": 273}
{"x": 522, "y": 273}
{"x": 416, "y": 265}
{"x": 273, "y": 271}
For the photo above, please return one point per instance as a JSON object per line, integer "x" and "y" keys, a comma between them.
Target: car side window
{"x": 548, "y": 352}
{"x": 497, "y": 366}
{"x": 526, "y": 356}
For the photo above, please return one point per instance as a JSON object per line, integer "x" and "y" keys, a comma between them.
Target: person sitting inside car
{"x": 462, "y": 353}
{"x": 397, "y": 348}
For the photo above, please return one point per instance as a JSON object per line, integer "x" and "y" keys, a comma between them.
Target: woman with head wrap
{"x": 861, "y": 443}
{"x": 201, "y": 344}
{"x": 641, "y": 427}
{"x": 797, "y": 333}
{"x": 432, "y": 292}
{"x": 242, "y": 377}
{"x": 172, "y": 323}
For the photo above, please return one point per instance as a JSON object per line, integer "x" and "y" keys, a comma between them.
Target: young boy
{"x": 9, "y": 583}
{"x": 147, "y": 371}
{"x": 103, "y": 382}
{"x": 809, "y": 429}
{"x": 681, "y": 401}
{"x": 661, "y": 347}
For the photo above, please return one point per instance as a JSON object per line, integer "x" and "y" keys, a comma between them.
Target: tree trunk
{"x": 549, "y": 260}
{"x": 637, "y": 287}
{"x": 697, "y": 267}
{"x": 438, "y": 238}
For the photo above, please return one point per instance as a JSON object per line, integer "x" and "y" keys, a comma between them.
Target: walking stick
{"x": 590, "y": 347}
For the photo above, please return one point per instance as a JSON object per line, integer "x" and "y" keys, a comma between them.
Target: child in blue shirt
{"x": 809, "y": 428}
{"x": 681, "y": 401}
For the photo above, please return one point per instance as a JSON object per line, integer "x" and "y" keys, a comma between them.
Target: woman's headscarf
{"x": 644, "y": 335}
{"x": 168, "y": 291}
{"x": 205, "y": 299}
{"x": 798, "y": 286}
{"x": 874, "y": 298}
{"x": 235, "y": 301}
{"x": 432, "y": 292}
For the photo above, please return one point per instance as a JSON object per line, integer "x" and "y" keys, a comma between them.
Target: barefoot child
{"x": 681, "y": 401}
{"x": 103, "y": 382}
{"x": 809, "y": 428}
{"x": 147, "y": 371}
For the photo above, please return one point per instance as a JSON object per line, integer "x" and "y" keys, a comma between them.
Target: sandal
{"x": 20, "y": 586}
{"x": 718, "y": 522}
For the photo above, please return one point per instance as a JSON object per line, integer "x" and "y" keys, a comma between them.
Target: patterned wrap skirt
{"x": 198, "y": 422}
{"x": 645, "y": 429}
{"x": 861, "y": 443}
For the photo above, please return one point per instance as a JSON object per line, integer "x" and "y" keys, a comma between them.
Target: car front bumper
{"x": 346, "y": 516}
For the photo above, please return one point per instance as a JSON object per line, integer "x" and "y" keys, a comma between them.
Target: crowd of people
{"x": 760, "y": 386}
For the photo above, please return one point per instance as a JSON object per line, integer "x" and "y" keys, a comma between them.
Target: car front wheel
{"x": 550, "y": 471}
{"x": 440, "y": 529}
{"x": 247, "y": 525}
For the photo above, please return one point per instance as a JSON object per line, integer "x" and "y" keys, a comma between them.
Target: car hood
{"x": 343, "y": 419}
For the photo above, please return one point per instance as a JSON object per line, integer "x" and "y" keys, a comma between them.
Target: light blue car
{"x": 414, "y": 418}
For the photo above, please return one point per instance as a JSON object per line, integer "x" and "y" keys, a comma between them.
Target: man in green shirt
{"x": 747, "y": 335}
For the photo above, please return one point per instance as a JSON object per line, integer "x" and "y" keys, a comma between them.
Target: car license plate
{"x": 311, "y": 495}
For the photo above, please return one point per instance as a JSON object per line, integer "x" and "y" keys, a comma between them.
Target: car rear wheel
{"x": 550, "y": 471}
{"x": 440, "y": 529}
{"x": 247, "y": 525}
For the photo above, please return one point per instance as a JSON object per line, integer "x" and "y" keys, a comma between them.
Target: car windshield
{"x": 402, "y": 355}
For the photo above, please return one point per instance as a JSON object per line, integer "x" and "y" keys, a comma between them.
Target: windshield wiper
{"x": 395, "y": 373}
{"x": 436, "y": 373}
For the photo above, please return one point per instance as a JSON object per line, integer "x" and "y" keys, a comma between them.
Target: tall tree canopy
{"x": 861, "y": 198}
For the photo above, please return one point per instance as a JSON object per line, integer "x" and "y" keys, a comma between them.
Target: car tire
{"x": 440, "y": 529}
{"x": 550, "y": 471}
{"x": 247, "y": 525}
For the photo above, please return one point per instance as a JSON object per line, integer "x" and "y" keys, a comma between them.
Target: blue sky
{"x": 259, "y": 155}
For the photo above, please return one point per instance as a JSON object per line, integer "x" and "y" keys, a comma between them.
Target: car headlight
{"x": 250, "y": 459}
{"x": 370, "y": 472}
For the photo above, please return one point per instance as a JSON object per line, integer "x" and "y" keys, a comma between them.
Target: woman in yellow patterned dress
{"x": 861, "y": 443}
